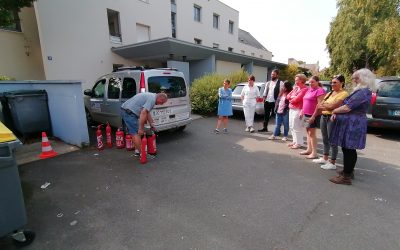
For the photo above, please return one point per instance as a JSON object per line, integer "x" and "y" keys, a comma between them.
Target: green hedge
{"x": 5, "y": 78}
{"x": 204, "y": 91}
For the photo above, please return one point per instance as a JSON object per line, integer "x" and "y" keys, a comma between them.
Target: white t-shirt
{"x": 270, "y": 96}
{"x": 250, "y": 94}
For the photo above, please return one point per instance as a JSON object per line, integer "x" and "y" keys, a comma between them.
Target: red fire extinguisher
{"x": 143, "y": 153}
{"x": 129, "y": 142}
{"x": 119, "y": 139}
{"x": 108, "y": 135}
{"x": 99, "y": 135}
{"x": 151, "y": 144}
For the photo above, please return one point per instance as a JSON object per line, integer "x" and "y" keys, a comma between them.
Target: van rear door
{"x": 177, "y": 108}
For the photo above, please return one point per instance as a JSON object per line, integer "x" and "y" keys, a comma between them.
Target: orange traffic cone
{"x": 47, "y": 150}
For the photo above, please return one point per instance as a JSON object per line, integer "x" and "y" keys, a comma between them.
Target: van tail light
{"x": 142, "y": 86}
{"x": 373, "y": 98}
{"x": 259, "y": 99}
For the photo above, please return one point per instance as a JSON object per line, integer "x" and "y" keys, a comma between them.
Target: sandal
{"x": 305, "y": 153}
{"x": 291, "y": 144}
{"x": 310, "y": 157}
{"x": 296, "y": 146}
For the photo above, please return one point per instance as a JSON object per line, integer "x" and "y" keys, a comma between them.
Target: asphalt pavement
{"x": 209, "y": 191}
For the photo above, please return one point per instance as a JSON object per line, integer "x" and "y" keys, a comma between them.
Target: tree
{"x": 9, "y": 11}
{"x": 385, "y": 42}
{"x": 347, "y": 39}
{"x": 289, "y": 72}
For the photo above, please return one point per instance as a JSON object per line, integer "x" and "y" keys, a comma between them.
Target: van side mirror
{"x": 88, "y": 92}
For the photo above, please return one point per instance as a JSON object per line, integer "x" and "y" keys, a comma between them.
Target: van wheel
{"x": 181, "y": 128}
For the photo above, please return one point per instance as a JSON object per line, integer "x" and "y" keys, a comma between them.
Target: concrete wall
{"x": 79, "y": 47}
{"x": 20, "y": 54}
{"x": 182, "y": 67}
{"x": 201, "y": 67}
{"x": 224, "y": 67}
{"x": 66, "y": 107}
{"x": 75, "y": 42}
{"x": 260, "y": 73}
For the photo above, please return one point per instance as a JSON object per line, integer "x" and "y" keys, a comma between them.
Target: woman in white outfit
{"x": 295, "y": 98}
{"x": 249, "y": 96}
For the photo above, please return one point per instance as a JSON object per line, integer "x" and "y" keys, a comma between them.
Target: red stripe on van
{"x": 142, "y": 86}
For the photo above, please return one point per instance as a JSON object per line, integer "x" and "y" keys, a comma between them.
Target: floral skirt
{"x": 349, "y": 131}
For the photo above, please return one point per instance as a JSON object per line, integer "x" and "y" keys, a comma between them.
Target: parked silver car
{"x": 384, "y": 111}
{"x": 237, "y": 104}
{"x": 103, "y": 101}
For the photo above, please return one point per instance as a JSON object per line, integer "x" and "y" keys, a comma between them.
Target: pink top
{"x": 310, "y": 100}
{"x": 295, "y": 97}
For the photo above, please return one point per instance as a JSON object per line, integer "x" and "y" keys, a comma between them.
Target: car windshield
{"x": 389, "y": 89}
{"x": 238, "y": 90}
{"x": 173, "y": 86}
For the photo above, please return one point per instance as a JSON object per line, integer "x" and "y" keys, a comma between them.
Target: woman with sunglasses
{"x": 349, "y": 130}
{"x": 332, "y": 100}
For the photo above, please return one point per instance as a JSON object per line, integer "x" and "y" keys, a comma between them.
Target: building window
{"x": 197, "y": 13}
{"x": 215, "y": 45}
{"x": 173, "y": 24}
{"x": 230, "y": 49}
{"x": 215, "y": 21}
{"x": 197, "y": 41}
{"x": 231, "y": 27}
{"x": 13, "y": 23}
{"x": 142, "y": 32}
{"x": 113, "y": 25}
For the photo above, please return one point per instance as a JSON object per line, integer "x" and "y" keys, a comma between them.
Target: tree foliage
{"x": 8, "y": 7}
{"x": 356, "y": 22}
{"x": 289, "y": 72}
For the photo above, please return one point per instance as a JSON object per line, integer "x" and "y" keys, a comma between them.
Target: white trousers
{"x": 249, "y": 110}
{"x": 296, "y": 126}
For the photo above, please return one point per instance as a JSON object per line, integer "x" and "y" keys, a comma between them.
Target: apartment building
{"x": 64, "y": 40}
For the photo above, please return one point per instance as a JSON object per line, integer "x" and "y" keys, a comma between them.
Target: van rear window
{"x": 173, "y": 86}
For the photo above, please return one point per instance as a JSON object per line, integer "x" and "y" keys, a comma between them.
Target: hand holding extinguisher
{"x": 108, "y": 135}
{"x": 99, "y": 136}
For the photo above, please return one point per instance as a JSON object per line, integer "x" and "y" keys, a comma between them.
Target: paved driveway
{"x": 207, "y": 191}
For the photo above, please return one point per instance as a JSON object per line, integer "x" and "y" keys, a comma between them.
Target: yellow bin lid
{"x": 6, "y": 134}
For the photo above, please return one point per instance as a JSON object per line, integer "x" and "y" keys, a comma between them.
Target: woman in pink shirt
{"x": 314, "y": 95}
{"x": 295, "y": 98}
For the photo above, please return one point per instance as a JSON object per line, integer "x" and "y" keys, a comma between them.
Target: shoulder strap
{"x": 329, "y": 95}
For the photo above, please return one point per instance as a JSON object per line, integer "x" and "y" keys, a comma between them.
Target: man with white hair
{"x": 136, "y": 112}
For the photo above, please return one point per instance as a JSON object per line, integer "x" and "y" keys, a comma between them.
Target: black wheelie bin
{"x": 29, "y": 111}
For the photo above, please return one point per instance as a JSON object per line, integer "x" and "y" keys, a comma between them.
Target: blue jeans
{"x": 282, "y": 119}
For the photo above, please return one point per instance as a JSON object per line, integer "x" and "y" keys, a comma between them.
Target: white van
{"x": 103, "y": 101}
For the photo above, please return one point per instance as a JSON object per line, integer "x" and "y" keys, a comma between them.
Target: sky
{"x": 288, "y": 28}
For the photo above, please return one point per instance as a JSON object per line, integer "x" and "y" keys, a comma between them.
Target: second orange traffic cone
{"x": 47, "y": 150}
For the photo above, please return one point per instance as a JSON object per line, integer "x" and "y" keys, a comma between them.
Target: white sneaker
{"x": 252, "y": 130}
{"x": 284, "y": 139}
{"x": 320, "y": 161}
{"x": 247, "y": 129}
{"x": 272, "y": 137}
{"x": 328, "y": 166}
